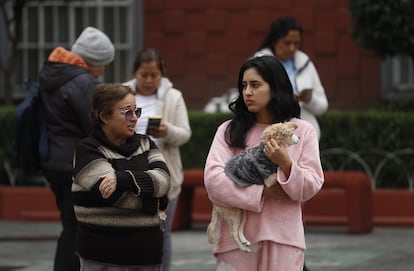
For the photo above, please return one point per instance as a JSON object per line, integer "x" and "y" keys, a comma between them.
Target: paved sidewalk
{"x": 29, "y": 246}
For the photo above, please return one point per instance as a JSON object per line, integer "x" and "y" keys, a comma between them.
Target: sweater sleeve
{"x": 221, "y": 190}
{"x": 89, "y": 165}
{"x": 133, "y": 185}
{"x": 306, "y": 177}
{"x": 152, "y": 182}
{"x": 179, "y": 130}
{"x": 318, "y": 104}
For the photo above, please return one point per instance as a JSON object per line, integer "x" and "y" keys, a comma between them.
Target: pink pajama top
{"x": 273, "y": 220}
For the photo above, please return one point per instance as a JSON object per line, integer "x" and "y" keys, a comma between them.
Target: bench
{"x": 193, "y": 180}
{"x": 28, "y": 203}
{"x": 346, "y": 198}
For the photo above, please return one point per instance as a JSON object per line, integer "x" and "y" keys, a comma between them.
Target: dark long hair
{"x": 283, "y": 105}
{"x": 279, "y": 29}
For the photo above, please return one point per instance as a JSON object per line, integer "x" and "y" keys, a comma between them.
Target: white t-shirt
{"x": 149, "y": 108}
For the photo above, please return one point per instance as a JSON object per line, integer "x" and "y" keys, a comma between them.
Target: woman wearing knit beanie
{"x": 67, "y": 80}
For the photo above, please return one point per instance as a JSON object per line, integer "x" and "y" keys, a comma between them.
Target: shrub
{"x": 376, "y": 142}
{"x": 383, "y": 26}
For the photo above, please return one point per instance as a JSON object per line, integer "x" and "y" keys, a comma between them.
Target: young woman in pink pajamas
{"x": 274, "y": 216}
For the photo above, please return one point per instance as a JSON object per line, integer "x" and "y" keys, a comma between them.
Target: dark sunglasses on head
{"x": 129, "y": 113}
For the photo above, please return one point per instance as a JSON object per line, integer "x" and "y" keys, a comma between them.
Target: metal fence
{"x": 394, "y": 169}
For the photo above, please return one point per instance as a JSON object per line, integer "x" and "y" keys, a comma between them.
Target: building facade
{"x": 204, "y": 42}
{"x": 49, "y": 24}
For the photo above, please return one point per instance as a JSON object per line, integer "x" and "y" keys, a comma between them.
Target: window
{"x": 398, "y": 77}
{"x": 49, "y": 24}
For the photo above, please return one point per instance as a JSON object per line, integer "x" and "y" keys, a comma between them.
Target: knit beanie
{"x": 94, "y": 47}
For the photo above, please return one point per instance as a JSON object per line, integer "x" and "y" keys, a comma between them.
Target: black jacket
{"x": 66, "y": 92}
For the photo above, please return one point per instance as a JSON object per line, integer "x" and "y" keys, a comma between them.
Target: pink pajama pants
{"x": 271, "y": 256}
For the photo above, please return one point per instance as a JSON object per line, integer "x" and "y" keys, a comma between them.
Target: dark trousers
{"x": 167, "y": 251}
{"x": 66, "y": 258}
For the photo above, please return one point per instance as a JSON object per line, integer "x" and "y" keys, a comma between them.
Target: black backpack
{"x": 30, "y": 145}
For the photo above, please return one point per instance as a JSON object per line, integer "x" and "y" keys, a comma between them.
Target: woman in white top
{"x": 283, "y": 41}
{"x": 157, "y": 97}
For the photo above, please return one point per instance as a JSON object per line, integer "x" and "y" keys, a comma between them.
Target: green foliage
{"x": 9, "y": 173}
{"x": 403, "y": 104}
{"x": 384, "y": 26}
{"x": 382, "y": 139}
{"x": 7, "y": 125}
{"x": 371, "y": 136}
{"x": 7, "y": 122}
{"x": 204, "y": 127}
{"x": 367, "y": 130}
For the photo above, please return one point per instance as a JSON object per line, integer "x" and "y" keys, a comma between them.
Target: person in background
{"x": 67, "y": 80}
{"x": 156, "y": 95}
{"x": 120, "y": 188}
{"x": 283, "y": 41}
{"x": 273, "y": 214}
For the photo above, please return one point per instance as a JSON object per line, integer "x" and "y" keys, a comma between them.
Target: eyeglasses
{"x": 129, "y": 113}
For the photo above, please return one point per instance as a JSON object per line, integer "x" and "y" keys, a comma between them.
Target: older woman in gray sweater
{"x": 120, "y": 188}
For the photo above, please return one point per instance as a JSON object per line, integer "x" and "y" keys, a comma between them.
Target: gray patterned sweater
{"x": 125, "y": 228}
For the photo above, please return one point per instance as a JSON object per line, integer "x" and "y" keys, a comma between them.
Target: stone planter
{"x": 390, "y": 207}
{"x": 393, "y": 207}
{"x": 28, "y": 203}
